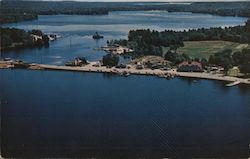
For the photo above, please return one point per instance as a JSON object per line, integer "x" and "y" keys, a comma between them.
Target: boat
{"x": 195, "y": 81}
{"x": 97, "y": 36}
{"x": 125, "y": 73}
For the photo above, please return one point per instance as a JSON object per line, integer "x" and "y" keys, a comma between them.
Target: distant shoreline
{"x": 33, "y": 8}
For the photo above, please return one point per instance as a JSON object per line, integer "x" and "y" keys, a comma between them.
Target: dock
{"x": 233, "y": 84}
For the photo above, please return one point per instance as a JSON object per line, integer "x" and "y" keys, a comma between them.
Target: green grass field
{"x": 203, "y": 49}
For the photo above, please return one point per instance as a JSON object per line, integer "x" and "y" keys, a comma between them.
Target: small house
{"x": 36, "y": 37}
{"x": 235, "y": 71}
{"x": 139, "y": 65}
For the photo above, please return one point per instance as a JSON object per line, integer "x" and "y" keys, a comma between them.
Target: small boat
{"x": 97, "y": 36}
{"x": 7, "y": 59}
{"x": 125, "y": 73}
{"x": 195, "y": 81}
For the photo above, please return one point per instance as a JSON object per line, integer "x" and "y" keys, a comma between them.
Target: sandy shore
{"x": 156, "y": 72}
{"x": 133, "y": 70}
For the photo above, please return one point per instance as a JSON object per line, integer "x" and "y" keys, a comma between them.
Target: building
{"x": 79, "y": 61}
{"x": 52, "y": 37}
{"x": 139, "y": 65}
{"x": 116, "y": 49}
{"x": 233, "y": 71}
{"x": 190, "y": 67}
{"x": 36, "y": 37}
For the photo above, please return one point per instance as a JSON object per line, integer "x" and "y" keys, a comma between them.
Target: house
{"x": 190, "y": 67}
{"x": 139, "y": 65}
{"x": 96, "y": 64}
{"x": 79, "y": 61}
{"x": 233, "y": 71}
{"x": 52, "y": 37}
{"x": 36, "y": 37}
{"x": 121, "y": 66}
{"x": 116, "y": 49}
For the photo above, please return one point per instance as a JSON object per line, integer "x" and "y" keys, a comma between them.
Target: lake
{"x": 73, "y": 114}
{"x": 76, "y": 31}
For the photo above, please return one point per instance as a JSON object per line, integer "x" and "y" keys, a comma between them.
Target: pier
{"x": 233, "y": 84}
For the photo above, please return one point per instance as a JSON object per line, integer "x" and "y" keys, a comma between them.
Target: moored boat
{"x": 97, "y": 36}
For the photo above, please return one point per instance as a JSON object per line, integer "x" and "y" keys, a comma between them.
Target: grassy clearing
{"x": 203, "y": 49}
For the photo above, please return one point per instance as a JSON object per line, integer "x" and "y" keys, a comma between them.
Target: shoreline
{"x": 133, "y": 71}
{"x": 156, "y": 72}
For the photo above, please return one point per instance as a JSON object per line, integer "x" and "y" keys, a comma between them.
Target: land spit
{"x": 133, "y": 70}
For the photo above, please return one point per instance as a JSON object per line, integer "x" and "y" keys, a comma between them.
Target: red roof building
{"x": 190, "y": 67}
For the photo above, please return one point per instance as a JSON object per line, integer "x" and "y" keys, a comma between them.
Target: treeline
{"x": 227, "y": 59}
{"x": 239, "y": 34}
{"x": 12, "y": 17}
{"x": 14, "y": 10}
{"x": 11, "y": 9}
{"x": 12, "y": 38}
{"x": 176, "y": 58}
{"x": 147, "y": 42}
{"x": 217, "y": 8}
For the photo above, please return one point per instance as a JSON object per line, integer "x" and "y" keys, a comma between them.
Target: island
{"x": 12, "y": 38}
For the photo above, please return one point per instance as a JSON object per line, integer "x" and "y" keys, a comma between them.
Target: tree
{"x": 237, "y": 57}
{"x": 6, "y": 41}
{"x": 37, "y": 32}
{"x": 10, "y": 36}
{"x": 245, "y": 68}
{"x": 204, "y": 62}
{"x": 110, "y": 60}
{"x": 223, "y": 59}
{"x": 175, "y": 57}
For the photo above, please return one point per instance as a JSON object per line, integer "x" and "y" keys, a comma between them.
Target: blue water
{"x": 76, "y": 31}
{"x": 97, "y": 115}
{"x": 73, "y": 114}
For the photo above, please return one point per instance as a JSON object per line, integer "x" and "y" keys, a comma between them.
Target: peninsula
{"x": 130, "y": 69}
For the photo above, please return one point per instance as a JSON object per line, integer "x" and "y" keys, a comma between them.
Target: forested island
{"x": 12, "y": 38}
{"x": 15, "y": 11}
